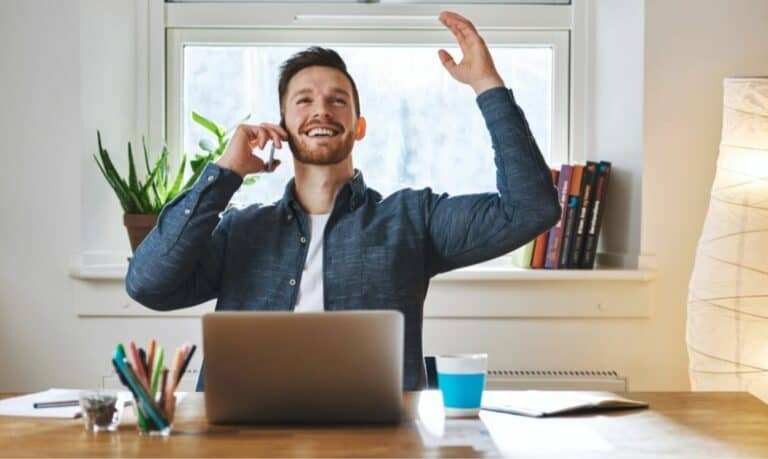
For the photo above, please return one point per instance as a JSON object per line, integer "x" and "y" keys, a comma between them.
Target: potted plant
{"x": 142, "y": 201}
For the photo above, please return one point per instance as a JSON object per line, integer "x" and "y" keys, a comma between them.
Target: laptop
{"x": 287, "y": 367}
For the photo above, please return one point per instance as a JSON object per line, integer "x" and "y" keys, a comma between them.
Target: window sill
{"x": 481, "y": 273}
{"x": 494, "y": 290}
{"x": 105, "y": 266}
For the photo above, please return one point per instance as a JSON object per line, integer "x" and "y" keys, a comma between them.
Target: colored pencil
{"x": 157, "y": 369}
{"x": 163, "y": 385}
{"x": 151, "y": 356}
{"x": 145, "y": 365}
{"x": 137, "y": 361}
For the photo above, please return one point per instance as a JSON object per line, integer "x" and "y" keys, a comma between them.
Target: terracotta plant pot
{"x": 138, "y": 225}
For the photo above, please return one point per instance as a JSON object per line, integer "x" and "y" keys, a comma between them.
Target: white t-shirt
{"x": 311, "y": 286}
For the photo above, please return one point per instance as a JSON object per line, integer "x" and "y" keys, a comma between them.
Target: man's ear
{"x": 360, "y": 130}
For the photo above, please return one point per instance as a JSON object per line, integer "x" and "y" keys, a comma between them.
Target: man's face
{"x": 321, "y": 97}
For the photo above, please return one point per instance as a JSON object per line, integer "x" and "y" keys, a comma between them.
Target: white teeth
{"x": 320, "y": 131}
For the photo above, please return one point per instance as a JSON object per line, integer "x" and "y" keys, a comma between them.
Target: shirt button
{"x": 210, "y": 178}
{"x": 303, "y": 240}
{"x": 290, "y": 216}
{"x": 292, "y": 282}
{"x": 187, "y": 211}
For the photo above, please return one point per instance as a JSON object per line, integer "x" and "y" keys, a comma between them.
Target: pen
{"x": 59, "y": 404}
{"x": 186, "y": 363}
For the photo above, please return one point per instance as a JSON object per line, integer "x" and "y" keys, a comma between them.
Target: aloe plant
{"x": 212, "y": 151}
{"x": 160, "y": 187}
{"x": 135, "y": 196}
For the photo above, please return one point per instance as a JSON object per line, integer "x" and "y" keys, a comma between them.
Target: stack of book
{"x": 572, "y": 242}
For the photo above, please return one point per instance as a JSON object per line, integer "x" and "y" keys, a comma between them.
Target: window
{"x": 424, "y": 128}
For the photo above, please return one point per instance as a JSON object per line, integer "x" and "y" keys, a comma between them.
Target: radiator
{"x": 603, "y": 380}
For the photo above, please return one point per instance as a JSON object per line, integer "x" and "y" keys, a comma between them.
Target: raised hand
{"x": 476, "y": 67}
{"x": 239, "y": 154}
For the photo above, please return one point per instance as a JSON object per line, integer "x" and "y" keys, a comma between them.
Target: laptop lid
{"x": 286, "y": 367}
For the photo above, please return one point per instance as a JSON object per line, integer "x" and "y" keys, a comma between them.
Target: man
{"x": 331, "y": 243}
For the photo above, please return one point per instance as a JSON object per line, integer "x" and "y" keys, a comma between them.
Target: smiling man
{"x": 331, "y": 243}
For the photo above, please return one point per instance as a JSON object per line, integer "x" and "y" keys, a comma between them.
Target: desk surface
{"x": 684, "y": 424}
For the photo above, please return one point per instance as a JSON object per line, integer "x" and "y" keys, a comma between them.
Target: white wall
{"x": 67, "y": 69}
{"x": 690, "y": 47}
{"x": 61, "y": 85}
{"x": 39, "y": 190}
{"x": 615, "y": 111}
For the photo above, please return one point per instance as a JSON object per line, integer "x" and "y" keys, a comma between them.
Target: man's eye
{"x": 303, "y": 99}
{"x": 341, "y": 100}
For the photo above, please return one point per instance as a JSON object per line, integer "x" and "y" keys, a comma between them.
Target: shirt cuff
{"x": 224, "y": 180}
{"x": 496, "y": 103}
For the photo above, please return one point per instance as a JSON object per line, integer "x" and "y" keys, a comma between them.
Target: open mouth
{"x": 321, "y": 133}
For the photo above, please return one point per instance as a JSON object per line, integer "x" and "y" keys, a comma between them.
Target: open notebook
{"x": 539, "y": 403}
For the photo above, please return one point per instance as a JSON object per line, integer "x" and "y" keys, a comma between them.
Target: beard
{"x": 323, "y": 151}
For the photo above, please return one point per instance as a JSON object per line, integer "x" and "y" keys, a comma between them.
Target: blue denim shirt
{"x": 378, "y": 253}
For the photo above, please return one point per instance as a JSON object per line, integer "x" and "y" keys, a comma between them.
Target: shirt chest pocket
{"x": 391, "y": 274}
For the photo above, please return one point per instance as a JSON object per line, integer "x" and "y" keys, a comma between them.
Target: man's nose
{"x": 322, "y": 110}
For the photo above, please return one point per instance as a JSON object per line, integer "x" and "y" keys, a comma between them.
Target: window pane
{"x": 424, "y": 128}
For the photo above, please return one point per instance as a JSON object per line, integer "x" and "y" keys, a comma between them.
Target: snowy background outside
{"x": 424, "y": 127}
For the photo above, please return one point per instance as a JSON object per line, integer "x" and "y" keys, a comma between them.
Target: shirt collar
{"x": 352, "y": 193}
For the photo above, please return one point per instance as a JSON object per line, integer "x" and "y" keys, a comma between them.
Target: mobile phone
{"x": 271, "y": 159}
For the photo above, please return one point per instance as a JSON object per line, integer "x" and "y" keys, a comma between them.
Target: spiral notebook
{"x": 541, "y": 403}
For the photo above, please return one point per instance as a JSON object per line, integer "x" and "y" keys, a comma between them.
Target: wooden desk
{"x": 703, "y": 424}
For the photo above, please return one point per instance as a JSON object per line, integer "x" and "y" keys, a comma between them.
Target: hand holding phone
{"x": 239, "y": 155}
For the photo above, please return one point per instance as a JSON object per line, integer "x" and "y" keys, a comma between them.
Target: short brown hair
{"x": 314, "y": 55}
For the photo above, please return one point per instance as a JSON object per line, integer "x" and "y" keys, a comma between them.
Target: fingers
{"x": 461, "y": 27}
{"x": 276, "y": 133}
{"x": 446, "y": 59}
{"x": 451, "y": 25}
{"x": 464, "y": 25}
{"x": 259, "y": 135}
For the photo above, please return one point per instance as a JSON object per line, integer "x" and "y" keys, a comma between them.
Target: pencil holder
{"x": 152, "y": 384}
{"x": 147, "y": 425}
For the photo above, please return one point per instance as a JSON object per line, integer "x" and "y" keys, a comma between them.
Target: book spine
{"x": 587, "y": 197}
{"x": 596, "y": 219}
{"x": 540, "y": 246}
{"x": 569, "y": 227}
{"x": 552, "y": 260}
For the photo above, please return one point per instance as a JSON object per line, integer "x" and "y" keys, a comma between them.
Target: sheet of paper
{"x": 23, "y": 405}
{"x": 543, "y": 402}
